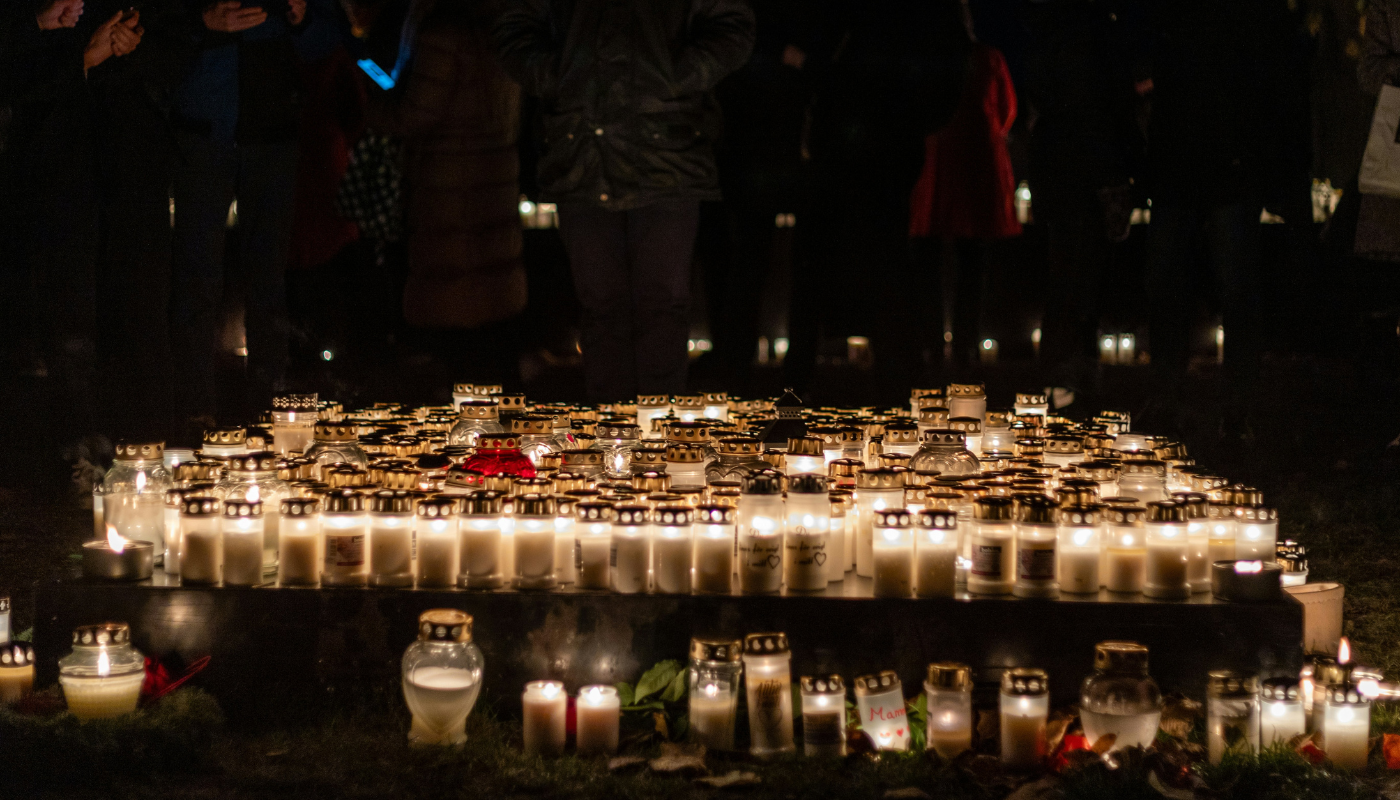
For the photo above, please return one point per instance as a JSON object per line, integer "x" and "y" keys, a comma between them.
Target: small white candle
{"x": 1166, "y": 574}
{"x": 823, "y": 717}
{"x": 880, "y": 704}
{"x": 1197, "y": 551}
{"x": 1281, "y": 715}
{"x": 299, "y": 552}
{"x": 869, "y": 501}
{"x": 807, "y": 539}
{"x": 992, "y": 547}
{"x": 936, "y": 554}
{"x": 565, "y": 545}
{"x": 598, "y": 710}
{"x": 768, "y": 686}
{"x": 391, "y": 538}
{"x": 1346, "y": 727}
{"x": 1232, "y": 713}
{"x": 631, "y": 549}
{"x": 594, "y": 545}
{"x": 1256, "y": 536}
{"x": 201, "y": 545}
{"x": 1125, "y": 552}
{"x": 714, "y": 549}
{"x": 1079, "y": 550}
{"x": 1025, "y": 705}
{"x": 1037, "y": 535}
{"x": 439, "y": 543}
{"x": 545, "y": 706}
{"x": 672, "y": 549}
{"x": 534, "y": 542}
{"x": 172, "y": 531}
{"x": 481, "y": 550}
{"x": 1220, "y": 527}
{"x": 16, "y": 672}
{"x": 345, "y": 528}
{"x": 712, "y": 712}
{"x": 948, "y": 704}
{"x": 760, "y": 543}
{"x": 243, "y": 543}
{"x": 893, "y": 554}
{"x": 838, "y": 546}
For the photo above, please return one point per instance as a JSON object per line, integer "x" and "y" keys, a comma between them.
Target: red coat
{"x": 967, "y": 189}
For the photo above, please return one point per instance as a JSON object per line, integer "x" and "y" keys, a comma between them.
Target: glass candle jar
{"x": 1032, "y": 403}
{"x": 1256, "y": 533}
{"x": 715, "y": 547}
{"x": 631, "y": 548}
{"x": 1221, "y": 530}
{"x": 1281, "y": 715}
{"x": 1346, "y": 726}
{"x": 971, "y": 429}
{"x": 1080, "y": 549}
{"x": 685, "y": 464}
{"x": 534, "y": 542}
{"x": 16, "y": 671}
{"x": 715, "y": 669}
{"x": 823, "y": 716}
{"x": 1063, "y": 451}
{"x": 293, "y": 422}
{"x": 1144, "y": 481}
{"x": 672, "y": 548}
{"x": 1125, "y": 552}
{"x": 174, "y": 501}
{"x": 253, "y": 476}
{"x": 650, "y": 408}
{"x": 391, "y": 542}
{"x": 1120, "y": 699}
{"x": 739, "y": 457}
{"x": 1197, "y": 540}
{"x": 242, "y": 530}
{"x": 483, "y": 543}
{"x": 804, "y": 454}
{"x": 536, "y": 435}
{"x": 935, "y": 553}
{"x": 948, "y": 707}
{"x": 768, "y": 686}
{"x": 876, "y": 490}
{"x": 892, "y": 556}
{"x": 594, "y": 525}
{"x": 102, "y": 677}
{"x": 992, "y": 547}
{"x": 475, "y": 417}
{"x": 760, "y": 522}
{"x": 617, "y": 440}
{"x": 919, "y": 398}
{"x": 437, "y": 541}
{"x": 1025, "y": 706}
{"x": 944, "y": 451}
{"x": 1167, "y": 574}
{"x": 598, "y": 711}
{"x": 345, "y": 528}
{"x": 441, "y": 677}
{"x": 201, "y": 540}
{"x": 586, "y": 462}
{"x": 336, "y": 443}
{"x": 967, "y": 400}
{"x": 499, "y": 454}
{"x": 133, "y": 494}
{"x": 1232, "y": 713}
{"x": 1037, "y": 528}
{"x": 880, "y": 705}
{"x": 299, "y": 549}
{"x": 807, "y": 548}
{"x": 840, "y": 539}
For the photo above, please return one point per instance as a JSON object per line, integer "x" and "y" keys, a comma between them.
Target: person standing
{"x": 628, "y": 129}
{"x": 236, "y": 118}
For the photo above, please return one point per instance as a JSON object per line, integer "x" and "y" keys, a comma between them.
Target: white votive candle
{"x": 672, "y": 548}
{"x": 880, "y": 705}
{"x": 806, "y": 543}
{"x": 565, "y": 544}
{"x": 760, "y": 542}
{"x": 345, "y": 529}
{"x": 714, "y": 548}
{"x": 1281, "y": 715}
{"x": 936, "y": 554}
{"x": 1166, "y": 576}
{"x": 631, "y": 549}
{"x": 823, "y": 716}
{"x": 391, "y": 538}
{"x": 948, "y": 704}
{"x": 1346, "y": 727}
{"x": 299, "y": 549}
{"x": 992, "y": 547}
{"x": 1079, "y": 548}
{"x": 1037, "y": 529}
{"x": 594, "y": 545}
{"x": 482, "y": 564}
{"x": 102, "y": 697}
{"x": 1025, "y": 706}
{"x": 439, "y": 542}
{"x": 545, "y": 707}
{"x": 597, "y": 714}
{"x": 1125, "y": 553}
{"x": 893, "y": 554}
{"x": 534, "y": 542}
{"x": 768, "y": 686}
{"x": 1232, "y": 714}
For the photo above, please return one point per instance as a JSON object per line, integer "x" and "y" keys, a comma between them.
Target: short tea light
{"x": 598, "y": 711}
{"x": 545, "y": 705}
{"x": 948, "y": 703}
{"x": 102, "y": 677}
{"x": 595, "y": 527}
{"x": 672, "y": 548}
{"x": 760, "y": 522}
{"x": 768, "y": 686}
{"x": 715, "y": 669}
{"x": 1025, "y": 706}
{"x": 880, "y": 705}
{"x": 242, "y": 530}
{"x": 1232, "y": 713}
{"x": 16, "y": 671}
{"x": 823, "y": 716}
{"x": 1281, "y": 714}
{"x": 118, "y": 558}
{"x": 1246, "y": 581}
{"x": 438, "y": 540}
{"x": 441, "y": 677}
{"x": 1346, "y": 726}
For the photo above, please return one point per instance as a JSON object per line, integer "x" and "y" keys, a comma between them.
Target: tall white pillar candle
{"x": 545, "y": 706}
{"x": 597, "y": 713}
{"x": 534, "y": 542}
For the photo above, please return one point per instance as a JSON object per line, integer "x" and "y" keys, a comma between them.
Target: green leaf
{"x": 653, "y": 705}
{"x": 656, "y": 679}
{"x": 625, "y": 693}
{"x": 676, "y": 689}
{"x": 26, "y": 635}
{"x": 916, "y": 714}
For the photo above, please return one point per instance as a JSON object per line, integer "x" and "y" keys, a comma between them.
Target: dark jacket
{"x": 628, "y": 117}
{"x": 460, "y": 119}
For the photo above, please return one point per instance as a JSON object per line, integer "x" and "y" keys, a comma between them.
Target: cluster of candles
{"x": 692, "y": 493}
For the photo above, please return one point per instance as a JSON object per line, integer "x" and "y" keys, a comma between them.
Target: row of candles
{"x": 442, "y": 674}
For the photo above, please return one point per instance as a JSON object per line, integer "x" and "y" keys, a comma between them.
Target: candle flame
{"x": 140, "y": 482}
{"x": 711, "y": 690}
{"x": 1248, "y": 567}
{"x": 104, "y": 665}
{"x": 1344, "y": 651}
{"x": 549, "y": 690}
{"x": 254, "y": 494}
{"x": 595, "y": 695}
{"x": 115, "y": 540}
{"x": 890, "y": 534}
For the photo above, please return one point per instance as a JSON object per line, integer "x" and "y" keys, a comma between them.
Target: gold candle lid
{"x": 1229, "y": 683}
{"x": 950, "y": 676}
{"x": 16, "y": 654}
{"x": 1280, "y": 689}
{"x": 1025, "y": 682}
{"x": 1035, "y": 509}
{"x": 140, "y": 451}
{"x": 1120, "y": 657}
{"x": 102, "y": 634}
{"x": 883, "y": 681}
{"x": 651, "y": 482}
{"x": 721, "y": 650}
{"x": 1166, "y": 511}
{"x": 200, "y": 506}
{"x": 243, "y": 508}
{"x": 993, "y": 509}
{"x": 444, "y": 625}
{"x": 822, "y": 684}
{"x": 879, "y": 478}
{"x": 765, "y": 644}
{"x": 300, "y": 506}
{"x": 534, "y": 505}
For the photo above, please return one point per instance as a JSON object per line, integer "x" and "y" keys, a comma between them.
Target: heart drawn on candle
{"x": 773, "y": 561}
{"x": 819, "y": 559}
{"x": 899, "y": 732}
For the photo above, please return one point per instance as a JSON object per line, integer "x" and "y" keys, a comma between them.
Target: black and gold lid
{"x": 878, "y": 683}
{"x": 444, "y": 625}
{"x": 725, "y": 651}
{"x": 765, "y": 644}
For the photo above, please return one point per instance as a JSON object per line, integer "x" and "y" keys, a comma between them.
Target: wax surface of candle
{"x": 1022, "y": 740}
{"x": 15, "y": 683}
{"x": 711, "y": 714}
{"x": 631, "y": 559}
{"x": 440, "y": 699}
{"x": 481, "y": 551}
{"x": 543, "y": 724}
{"x": 1126, "y": 569}
{"x": 391, "y": 551}
{"x": 243, "y": 558}
{"x": 597, "y": 716}
{"x": 714, "y": 558}
{"x": 102, "y": 697}
{"x": 672, "y": 553}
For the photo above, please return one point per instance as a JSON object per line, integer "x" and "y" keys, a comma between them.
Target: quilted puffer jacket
{"x": 628, "y": 116}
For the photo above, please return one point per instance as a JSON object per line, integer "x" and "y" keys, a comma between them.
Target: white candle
{"x": 948, "y": 705}
{"x": 440, "y": 699}
{"x": 299, "y": 551}
{"x": 869, "y": 501}
{"x": 1125, "y": 552}
{"x": 594, "y": 545}
{"x": 1281, "y": 715}
{"x": 823, "y": 717}
{"x": 545, "y": 706}
{"x": 1198, "y": 554}
{"x": 714, "y": 549}
{"x": 565, "y": 546}
{"x": 1256, "y": 536}
{"x": 1166, "y": 575}
{"x": 760, "y": 543}
{"x": 16, "y": 672}
{"x": 838, "y": 546}
{"x": 201, "y": 545}
{"x": 1023, "y": 718}
{"x": 893, "y": 555}
{"x": 102, "y": 697}
{"x": 598, "y": 711}
{"x": 345, "y": 533}
{"x": 391, "y": 539}
{"x": 534, "y": 543}
{"x": 172, "y": 533}
{"x": 672, "y": 549}
{"x": 807, "y": 539}
{"x": 712, "y": 712}
{"x": 631, "y": 549}
{"x": 993, "y": 547}
{"x": 1220, "y": 527}
{"x": 1079, "y": 550}
{"x": 481, "y": 551}
{"x": 880, "y": 704}
{"x": 439, "y": 543}
{"x": 768, "y": 686}
{"x": 797, "y": 464}
{"x": 243, "y": 543}
{"x": 936, "y": 554}
{"x": 1346, "y": 728}
{"x": 1232, "y": 714}
{"x": 1036, "y": 537}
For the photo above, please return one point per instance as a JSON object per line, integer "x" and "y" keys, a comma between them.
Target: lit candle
{"x": 876, "y": 490}
{"x": 1281, "y": 715}
{"x": 1025, "y": 705}
{"x": 598, "y": 711}
{"x": 439, "y": 542}
{"x": 967, "y": 400}
{"x": 441, "y": 677}
{"x": 631, "y": 548}
{"x": 948, "y": 704}
{"x": 345, "y": 528}
{"x": 545, "y": 706}
{"x": 844, "y": 518}
{"x": 171, "y": 561}
{"x": 804, "y": 454}
{"x": 936, "y": 553}
{"x": 1197, "y": 540}
{"x": 138, "y": 514}
{"x": 16, "y": 672}
{"x": 1144, "y": 481}
{"x": 118, "y": 558}
{"x": 391, "y": 538}
{"x": 243, "y": 542}
{"x": 1232, "y": 713}
{"x": 714, "y": 544}
{"x": 768, "y": 684}
{"x": 761, "y": 535}
{"x": 565, "y": 540}
{"x": 1125, "y": 555}
{"x": 102, "y": 677}
{"x": 992, "y": 547}
{"x": 201, "y": 545}
{"x": 1220, "y": 528}
{"x": 482, "y": 543}
{"x": 823, "y": 716}
{"x": 595, "y": 528}
{"x": 807, "y": 548}
{"x": 1256, "y": 533}
{"x": 1166, "y": 576}
{"x": 1079, "y": 549}
{"x": 715, "y": 668}
{"x": 880, "y": 704}
{"x": 1346, "y": 727}
{"x": 299, "y": 549}
{"x": 893, "y": 556}
{"x": 1037, "y": 529}
{"x": 672, "y": 548}
{"x": 1246, "y": 581}
{"x": 534, "y": 542}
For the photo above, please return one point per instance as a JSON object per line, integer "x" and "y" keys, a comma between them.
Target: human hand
{"x": 296, "y": 12}
{"x": 126, "y": 35}
{"x": 229, "y": 16}
{"x": 59, "y": 14}
{"x": 99, "y": 47}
